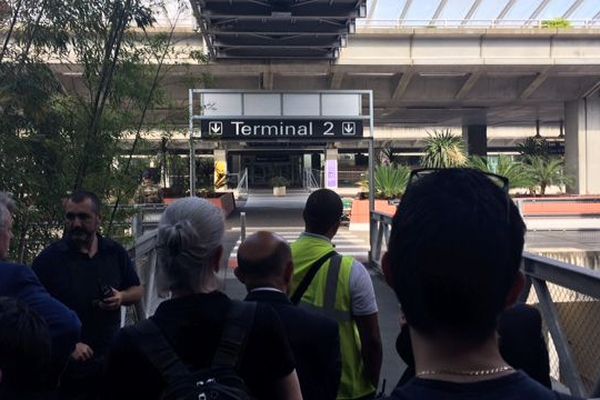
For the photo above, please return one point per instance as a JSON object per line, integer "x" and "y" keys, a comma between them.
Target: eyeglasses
{"x": 499, "y": 180}
{"x": 81, "y": 216}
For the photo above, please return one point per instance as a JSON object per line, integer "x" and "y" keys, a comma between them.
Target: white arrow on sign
{"x": 215, "y": 127}
{"x": 348, "y": 128}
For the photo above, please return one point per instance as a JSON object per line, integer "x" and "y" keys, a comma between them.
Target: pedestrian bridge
{"x": 567, "y": 296}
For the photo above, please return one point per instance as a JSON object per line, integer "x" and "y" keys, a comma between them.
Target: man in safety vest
{"x": 339, "y": 287}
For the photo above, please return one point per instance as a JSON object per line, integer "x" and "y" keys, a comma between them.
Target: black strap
{"x": 179, "y": 381}
{"x": 237, "y": 326}
{"x": 149, "y": 339}
{"x": 310, "y": 275}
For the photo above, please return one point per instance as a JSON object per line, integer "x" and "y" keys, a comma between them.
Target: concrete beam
{"x": 535, "y": 84}
{"x": 404, "y": 11}
{"x": 576, "y": 4}
{"x": 467, "y": 85}
{"x": 539, "y": 9}
{"x": 402, "y": 85}
{"x": 506, "y": 9}
{"x": 472, "y": 11}
{"x": 438, "y": 11}
{"x": 336, "y": 80}
{"x": 266, "y": 80}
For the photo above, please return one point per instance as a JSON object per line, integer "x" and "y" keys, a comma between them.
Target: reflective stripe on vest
{"x": 329, "y": 294}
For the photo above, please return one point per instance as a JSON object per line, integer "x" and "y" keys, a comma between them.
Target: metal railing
{"x": 472, "y": 23}
{"x": 311, "y": 183}
{"x": 242, "y": 186}
{"x": 568, "y": 298}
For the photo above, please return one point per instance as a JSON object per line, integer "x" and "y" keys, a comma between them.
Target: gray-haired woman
{"x": 190, "y": 249}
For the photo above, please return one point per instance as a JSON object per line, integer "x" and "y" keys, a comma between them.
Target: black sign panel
{"x": 261, "y": 129}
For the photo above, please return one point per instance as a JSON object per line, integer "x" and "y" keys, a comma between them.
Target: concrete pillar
{"x": 220, "y": 174}
{"x": 331, "y": 168}
{"x": 582, "y": 145}
{"x": 475, "y": 137}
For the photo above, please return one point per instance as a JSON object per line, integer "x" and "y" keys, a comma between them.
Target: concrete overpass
{"x": 422, "y": 77}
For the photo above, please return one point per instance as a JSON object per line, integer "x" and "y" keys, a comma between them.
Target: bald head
{"x": 264, "y": 259}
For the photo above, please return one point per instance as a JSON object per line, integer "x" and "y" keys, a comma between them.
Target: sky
{"x": 422, "y": 10}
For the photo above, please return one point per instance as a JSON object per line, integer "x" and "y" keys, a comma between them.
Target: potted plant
{"x": 279, "y": 183}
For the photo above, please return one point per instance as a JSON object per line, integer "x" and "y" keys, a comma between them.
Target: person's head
{"x": 322, "y": 212}
{"x": 147, "y": 178}
{"x": 265, "y": 259}
{"x": 190, "y": 236}
{"x": 7, "y": 208}
{"x": 454, "y": 255}
{"x": 82, "y": 215}
{"x": 24, "y": 348}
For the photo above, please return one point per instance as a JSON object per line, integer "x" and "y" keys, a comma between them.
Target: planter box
{"x": 279, "y": 191}
{"x": 225, "y": 201}
{"x": 359, "y": 216}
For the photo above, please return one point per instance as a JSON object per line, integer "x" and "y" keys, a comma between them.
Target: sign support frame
{"x": 370, "y": 139}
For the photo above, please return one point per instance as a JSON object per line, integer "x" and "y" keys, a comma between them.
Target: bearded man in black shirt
{"x": 453, "y": 260}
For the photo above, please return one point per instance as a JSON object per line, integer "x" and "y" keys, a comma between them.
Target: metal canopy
{"x": 277, "y": 29}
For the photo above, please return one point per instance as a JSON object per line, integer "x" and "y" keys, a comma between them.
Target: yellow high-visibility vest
{"x": 329, "y": 294}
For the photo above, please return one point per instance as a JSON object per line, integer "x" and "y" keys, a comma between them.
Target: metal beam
{"x": 371, "y": 10}
{"x": 472, "y": 11}
{"x": 438, "y": 11}
{"x": 405, "y": 10}
{"x": 576, "y": 4}
{"x": 402, "y": 85}
{"x": 539, "y": 9}
{"x": 591, "y": 91}
{"x": 467, "y": 85}
{"x": 506, "y": 9}
{"x": 535, "y": 84}
{"x": 596, "y": 17}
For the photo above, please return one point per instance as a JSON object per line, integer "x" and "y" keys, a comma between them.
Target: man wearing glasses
{"x": 453, "y": 260}
{"x": 94, "y": 276}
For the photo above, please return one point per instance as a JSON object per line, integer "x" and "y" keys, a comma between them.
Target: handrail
{"x": 472, "y": 23}
{"x": 242, "y": 186}
{"x": 310, "y": 182}
{"x": 550, "y": 280}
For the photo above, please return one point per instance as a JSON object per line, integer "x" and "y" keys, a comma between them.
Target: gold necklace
{"x": 478, "y": 372}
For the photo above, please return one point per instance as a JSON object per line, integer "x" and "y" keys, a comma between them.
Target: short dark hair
{"x": 269, "y": 266}
{"x": 24, "y": 347}
{"x": 454, "y": 254}
{"x": 82, "y": 195}
{"x": 322, "y": 211}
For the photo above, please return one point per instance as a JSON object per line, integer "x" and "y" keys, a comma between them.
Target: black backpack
{"x": 219, "y": 382}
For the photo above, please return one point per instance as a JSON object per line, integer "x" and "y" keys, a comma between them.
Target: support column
{"x": 220, "y": 174}
{"x": 582, "y": 145}
{"x": 475, "y": 137}
{"x": 331, "y": 168}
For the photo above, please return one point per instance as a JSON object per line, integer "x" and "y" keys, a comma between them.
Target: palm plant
{"x": 546, "y": 172}
{"x": 391, "y": 181}
{"x": 444, "y": 150}
{"x": 517, "y": 173}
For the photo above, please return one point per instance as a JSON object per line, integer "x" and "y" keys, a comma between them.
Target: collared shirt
{"x": 76, "y": 279}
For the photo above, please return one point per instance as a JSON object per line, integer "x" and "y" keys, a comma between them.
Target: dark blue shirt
{"x": 516, "y": 386}
{"x": 77, "y": 280}
{"x": 19, "y": 281}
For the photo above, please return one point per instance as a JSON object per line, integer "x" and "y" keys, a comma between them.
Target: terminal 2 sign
{"x": 257, "y": 129}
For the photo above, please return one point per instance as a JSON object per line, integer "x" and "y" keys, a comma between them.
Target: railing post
{"x": 242, "y": 226}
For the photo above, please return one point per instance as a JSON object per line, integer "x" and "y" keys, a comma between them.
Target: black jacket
{"x": 315, "y": 342}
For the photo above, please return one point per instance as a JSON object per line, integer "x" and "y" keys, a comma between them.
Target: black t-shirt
{"x": 193, "y": 326}
{"x": 76, "y": 280}
{"x": 516, "y": 386}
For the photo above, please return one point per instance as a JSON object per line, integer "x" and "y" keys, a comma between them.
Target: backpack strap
{"x": 238, "y": 322}
{"x": 308, "y": 278}
{"x": 149, "y": 339}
